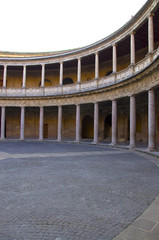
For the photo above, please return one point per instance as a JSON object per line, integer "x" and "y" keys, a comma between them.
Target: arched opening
{"x": 47, "y": 83}
{"x": 108, "y": 73}
{"x": 87, "y": 127}
{"x": 108, "y": 126}
{"x": 67, "y": 81}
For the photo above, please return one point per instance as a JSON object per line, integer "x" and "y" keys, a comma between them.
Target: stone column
{"x": 78, "y": 123}
{"x": 24, "y": 77}
{"x": 150, "y": 33}
{"x": 41, "y": 123}
{"x": 22, "y": 123}
{"x": 79, "y": 71}
{"x": 43, "y": 75}
{"x": 151, "y": 121}
{"x": 5, "y": 76}
{"x": 2, "y": 122}
{"x": 132, "y": 122}
{"x": 59, "y": 137}
{"x": 96, "y": 122}
{"x": 114, "y": 122}
{"x": 132, "y": 47}
{"x": 61, "y": 73}
{"x": 114, "y": 58}
{"x": 96, "y": 65}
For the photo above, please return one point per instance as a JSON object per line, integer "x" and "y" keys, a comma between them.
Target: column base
{"x": 131, "y": 146}
{"x": 113, "y": 144}
{"x": 94, "y": 142}
{"x": 2, "y": 138}
{"x": 151, "y": 149}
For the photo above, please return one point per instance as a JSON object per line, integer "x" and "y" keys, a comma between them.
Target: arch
{"x": 67, "y": 81}
{"x": 108, "y": 73}
{"x": 108, "y": 126}
{"x": 88, "y": 127}
{"x": 47, "y": 83}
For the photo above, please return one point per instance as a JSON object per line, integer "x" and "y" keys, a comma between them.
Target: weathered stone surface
{"x": 51, "y": 191}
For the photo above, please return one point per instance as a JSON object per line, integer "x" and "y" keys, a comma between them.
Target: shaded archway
{"x": 47, "y": 83}
{"x": 67, "y": 81}
{"x": 108, "y": 126}
{"x": 87, "y": 127}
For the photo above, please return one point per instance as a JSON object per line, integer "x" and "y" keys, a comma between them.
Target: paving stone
{"x": 118, "y": 238}
{"x": 132, "y": 233}
{"x": 156, "y": 201}
{"x": 144, "y": 224}
{"x": 154, "y": 235}
{"x": 152, "y": 213}
{"x": 70, "y": 192}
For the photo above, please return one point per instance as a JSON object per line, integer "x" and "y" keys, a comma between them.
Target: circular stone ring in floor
{"x": 69, "y": 192}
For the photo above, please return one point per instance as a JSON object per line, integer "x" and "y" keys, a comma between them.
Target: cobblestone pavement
{"x": 51, "y": 191}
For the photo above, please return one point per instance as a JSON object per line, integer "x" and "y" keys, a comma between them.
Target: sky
{"x": 53, "y": 25}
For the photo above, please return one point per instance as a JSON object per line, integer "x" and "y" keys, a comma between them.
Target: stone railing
{"x": 91, "y": 85}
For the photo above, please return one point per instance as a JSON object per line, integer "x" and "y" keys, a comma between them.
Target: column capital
{"x": 5, "y": 65}
{"x": 151, "y": 14}
{"x": 114, "y": 45}
{"x": 79, "y": 58}
{"x": 151, "y": 90}
{"x": 132, "y": 33}
{"x": 43, "y": 64}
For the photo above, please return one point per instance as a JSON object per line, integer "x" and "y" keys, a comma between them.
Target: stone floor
{"x": 54, "y": 191}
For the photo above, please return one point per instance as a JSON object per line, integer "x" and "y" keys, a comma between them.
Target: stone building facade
{"x": 107, "y": 91}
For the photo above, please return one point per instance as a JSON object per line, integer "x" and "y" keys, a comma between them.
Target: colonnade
{"x": 79, "y": 59}
{"x": 151, "y": 122}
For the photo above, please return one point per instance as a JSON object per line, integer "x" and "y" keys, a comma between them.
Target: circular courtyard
{"x": 55, "y": 191}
